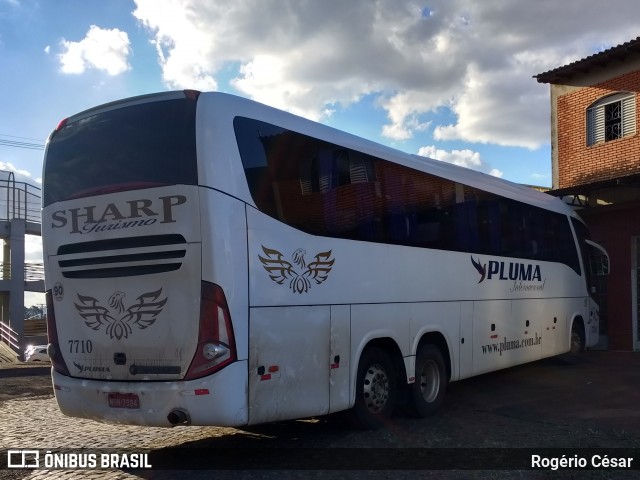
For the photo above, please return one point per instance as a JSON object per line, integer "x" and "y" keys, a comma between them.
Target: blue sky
{"x": 450, "y": 79}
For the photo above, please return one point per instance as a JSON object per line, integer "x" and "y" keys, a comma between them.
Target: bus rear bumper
{"x": 219, "y": 399}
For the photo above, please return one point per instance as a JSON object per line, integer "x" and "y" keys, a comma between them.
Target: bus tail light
{"x": 54, "y": 347}
{"x": 216, "y": 344}
{"x": 61, "y": 125}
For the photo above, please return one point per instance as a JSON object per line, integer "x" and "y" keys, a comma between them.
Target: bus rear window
{"x": 131, "y": 147}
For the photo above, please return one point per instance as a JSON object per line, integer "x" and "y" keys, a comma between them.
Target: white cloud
{"x": 496, "y": 108}
{"x": 19, "y": 175}
{"x": 33, "y": 249}
{"x": 403, "y": 111}
{"x": 184, "y": 42}
{"x": 464, "y": 158}
{"x": 475, "y": 58}
{"x": 102, "y": 49}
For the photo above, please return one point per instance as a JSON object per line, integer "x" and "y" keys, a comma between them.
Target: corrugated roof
{"x": 601, "y": 59}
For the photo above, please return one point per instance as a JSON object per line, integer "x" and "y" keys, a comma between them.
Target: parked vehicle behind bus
{"x": 214, "y": 261}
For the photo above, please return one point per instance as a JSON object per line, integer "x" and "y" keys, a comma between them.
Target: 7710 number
{"x": 80, "y": 346}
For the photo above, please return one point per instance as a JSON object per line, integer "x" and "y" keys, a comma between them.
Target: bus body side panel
{"x": 465, "y": 342}
{"x": 512, "y": 332}
{"x": 224, "y": 257}
{"x": 219, "y": 164}
{"x": 592, "y": 329}
{"x": 394, "y": 293}
{"x": 489, "y": 318}
{"x": 339, "y": 375}
{"x": 289, "y": 345}
{"x": 555, "y": 315}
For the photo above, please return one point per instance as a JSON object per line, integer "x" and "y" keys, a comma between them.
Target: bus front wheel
{"x": 427, "y": 392}
{"x": 577, "y": 339}
{"x": 376, "y": 389}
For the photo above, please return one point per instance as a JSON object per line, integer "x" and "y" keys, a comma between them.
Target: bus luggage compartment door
{"x": 289, "y": 362}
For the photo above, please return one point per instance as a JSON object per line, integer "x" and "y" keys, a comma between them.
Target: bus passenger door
{"x": 288, "y": 362}
{"x": 339, "y": 357}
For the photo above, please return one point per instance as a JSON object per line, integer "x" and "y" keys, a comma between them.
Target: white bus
{"x": 213, "y": 261}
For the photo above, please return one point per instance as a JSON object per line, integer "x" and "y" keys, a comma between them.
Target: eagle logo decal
{"x": 118, "y": 320}
{"x": 280, "y": 270}
{"x": 482, "y": 269}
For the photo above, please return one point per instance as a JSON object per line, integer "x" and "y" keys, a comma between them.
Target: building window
{"x": 611, "y": 117}
{"x": 612, "y": 121}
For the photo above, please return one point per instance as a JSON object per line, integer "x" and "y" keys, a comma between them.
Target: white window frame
{"x": 596, "y": 117}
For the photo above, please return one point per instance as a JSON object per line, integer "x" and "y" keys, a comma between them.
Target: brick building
{"x": 596, "y": 167}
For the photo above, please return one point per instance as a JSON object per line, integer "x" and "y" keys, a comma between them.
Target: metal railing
{"x": 19, "y": 199}
{"x": 9, "y": 336}
{"x": 33, "y": 272}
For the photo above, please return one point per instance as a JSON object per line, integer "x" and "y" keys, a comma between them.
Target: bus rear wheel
{"x": 376, "y": 389}
{"x": 427, "y": 392}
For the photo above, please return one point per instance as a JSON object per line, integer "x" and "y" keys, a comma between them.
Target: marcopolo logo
{"x": 526, "y": 276}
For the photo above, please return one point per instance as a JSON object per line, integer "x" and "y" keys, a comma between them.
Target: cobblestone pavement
{"x": 46, "y": 428}
{"x": 547, "y": 404}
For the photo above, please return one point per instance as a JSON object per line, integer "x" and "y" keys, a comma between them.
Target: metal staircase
{"x": 20, "y": 215}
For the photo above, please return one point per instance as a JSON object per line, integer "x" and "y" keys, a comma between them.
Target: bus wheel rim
{"x": 429, "y": 381}
{"x": 376, "y": 388}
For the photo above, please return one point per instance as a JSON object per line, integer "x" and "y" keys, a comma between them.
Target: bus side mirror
{"x": 598, "y": 259}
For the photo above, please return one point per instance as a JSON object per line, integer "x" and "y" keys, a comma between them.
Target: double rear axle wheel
{"x": 377, "y": 387}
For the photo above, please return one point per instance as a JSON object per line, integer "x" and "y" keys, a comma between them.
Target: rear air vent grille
{"x": 122, "y": 257}
{"x": 121, "y": 243}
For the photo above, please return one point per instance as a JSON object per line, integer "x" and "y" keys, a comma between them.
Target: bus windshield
{"x": 138, "y": 146}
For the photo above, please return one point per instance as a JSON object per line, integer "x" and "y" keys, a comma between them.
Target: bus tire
{"x": 376, "y": 389}
{"x": 427, "y": 392}
{"x": 577, "y": 339}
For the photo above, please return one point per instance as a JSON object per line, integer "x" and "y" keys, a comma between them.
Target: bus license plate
{"x": 124, "y": 400}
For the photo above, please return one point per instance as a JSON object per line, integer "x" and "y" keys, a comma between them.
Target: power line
{"x": 16, "y": 144}
{"x": 20, "y": 142}
{"x": 16, "y": 136}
